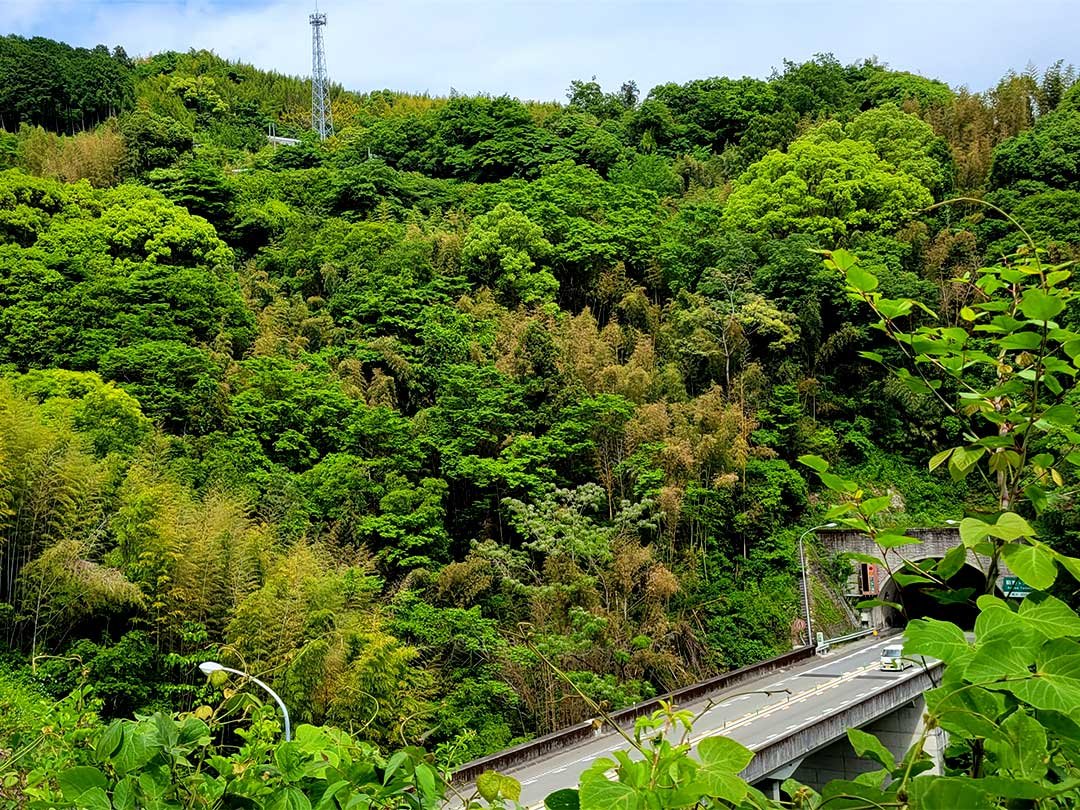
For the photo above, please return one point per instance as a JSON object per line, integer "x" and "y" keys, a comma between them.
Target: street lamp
{"x": 805, "y": 584}
{"x": 210, "y": 667}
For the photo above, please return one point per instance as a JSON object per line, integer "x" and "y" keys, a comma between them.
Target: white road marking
{"x": 766, "y": 709}
{"x": 771, "y": 709}
{"x": 836, "y": 661}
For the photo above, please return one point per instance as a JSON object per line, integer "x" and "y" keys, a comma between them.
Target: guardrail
{"x": 813, "y": 734}
{"x": 624, "y": 718}
{"x": 824, "y": 645}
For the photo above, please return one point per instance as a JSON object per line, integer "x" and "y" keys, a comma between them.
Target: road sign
{"x": 1014, "y": 586}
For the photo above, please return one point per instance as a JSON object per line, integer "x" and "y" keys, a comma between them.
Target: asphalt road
{"x": 817, "y": 687}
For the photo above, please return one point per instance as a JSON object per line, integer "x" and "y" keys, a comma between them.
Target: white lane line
{"x": 765, "y": 710}
{"x": 761, "y": 713}
{"x": 771, "y": 709}
{"x": 836, "y": 661}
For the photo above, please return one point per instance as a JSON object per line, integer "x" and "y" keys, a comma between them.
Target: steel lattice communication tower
{"x": 321, "y": 119}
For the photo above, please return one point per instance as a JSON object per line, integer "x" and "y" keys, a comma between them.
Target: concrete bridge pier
{"x": 897, "y": 730}
{"x": 770, "y": 786}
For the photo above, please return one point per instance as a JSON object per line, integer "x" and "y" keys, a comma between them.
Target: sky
{"x": 533, "y": 49}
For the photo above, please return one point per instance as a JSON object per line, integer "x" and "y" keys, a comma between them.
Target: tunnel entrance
{"x": 920, "y": 602}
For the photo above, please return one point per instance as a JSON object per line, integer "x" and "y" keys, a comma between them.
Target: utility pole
{"x": 322, "y": 121}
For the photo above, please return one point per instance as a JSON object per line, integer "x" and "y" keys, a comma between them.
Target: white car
{"x": 892, "y": 658}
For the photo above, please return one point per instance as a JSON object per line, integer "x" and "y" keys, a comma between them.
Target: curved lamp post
{"x": 805, "y": 584}
{"x": 210, "y": 667}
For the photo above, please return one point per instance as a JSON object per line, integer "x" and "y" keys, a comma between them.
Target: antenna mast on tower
{"x": 322, "y": 121}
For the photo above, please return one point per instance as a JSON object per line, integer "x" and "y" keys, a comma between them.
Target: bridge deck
{"x": 819, "y": 688}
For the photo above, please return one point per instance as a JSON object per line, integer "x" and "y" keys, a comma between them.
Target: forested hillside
{"x": 379, "y": 419}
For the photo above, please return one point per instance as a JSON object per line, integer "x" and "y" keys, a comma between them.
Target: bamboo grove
{"x": 385, "y": 419}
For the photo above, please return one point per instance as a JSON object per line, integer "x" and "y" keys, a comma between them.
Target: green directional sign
{"x": 1014, "y": 586}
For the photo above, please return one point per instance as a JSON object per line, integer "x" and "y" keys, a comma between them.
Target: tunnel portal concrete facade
{"x": 868, "y": 582}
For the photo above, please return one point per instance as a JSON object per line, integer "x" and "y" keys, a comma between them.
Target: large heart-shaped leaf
{"x": 488, "y": 784}
{"x": 934, "y": 637}
{"x": 1050, "y": 616}
{"x": 870, "y": 747}
{"x": 1039, "y": 305}
{"x": 603, "y": 794}
{"x": 289, "y": 799}
{"x": 968, "y": 711}
{"x": 1033, "y": 564}
{"x": 861, "y": 280}
{"x": 1010, "y": 526}
{"x": 999, "y": 659}
{"x": 74, "y": 782}
{"x": 1024, "y": 753}
{"x": 973, "y": 531}
{"x": 1054, "y": 687}
{"x": 724, "y": 753}
{"x": 996, "y": 622}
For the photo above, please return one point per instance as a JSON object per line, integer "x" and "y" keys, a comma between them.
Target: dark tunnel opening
{"x": 920, "y": 603}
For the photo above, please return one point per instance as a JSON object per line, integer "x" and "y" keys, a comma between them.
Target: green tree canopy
{"x": 826, "y": 185}
{"x": 1048, "y": 153}
{"x": 502, "y": 250}
{"x": 92, "y": 271}
{"x": 907, "y": 143}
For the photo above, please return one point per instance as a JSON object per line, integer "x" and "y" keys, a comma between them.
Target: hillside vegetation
{"x": 387, "y": 420}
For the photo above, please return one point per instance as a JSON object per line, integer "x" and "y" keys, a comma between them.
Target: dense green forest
{"x": 386, "y": 419}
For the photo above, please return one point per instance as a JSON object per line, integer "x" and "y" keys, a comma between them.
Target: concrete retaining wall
{"x": 933, "y": 543}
